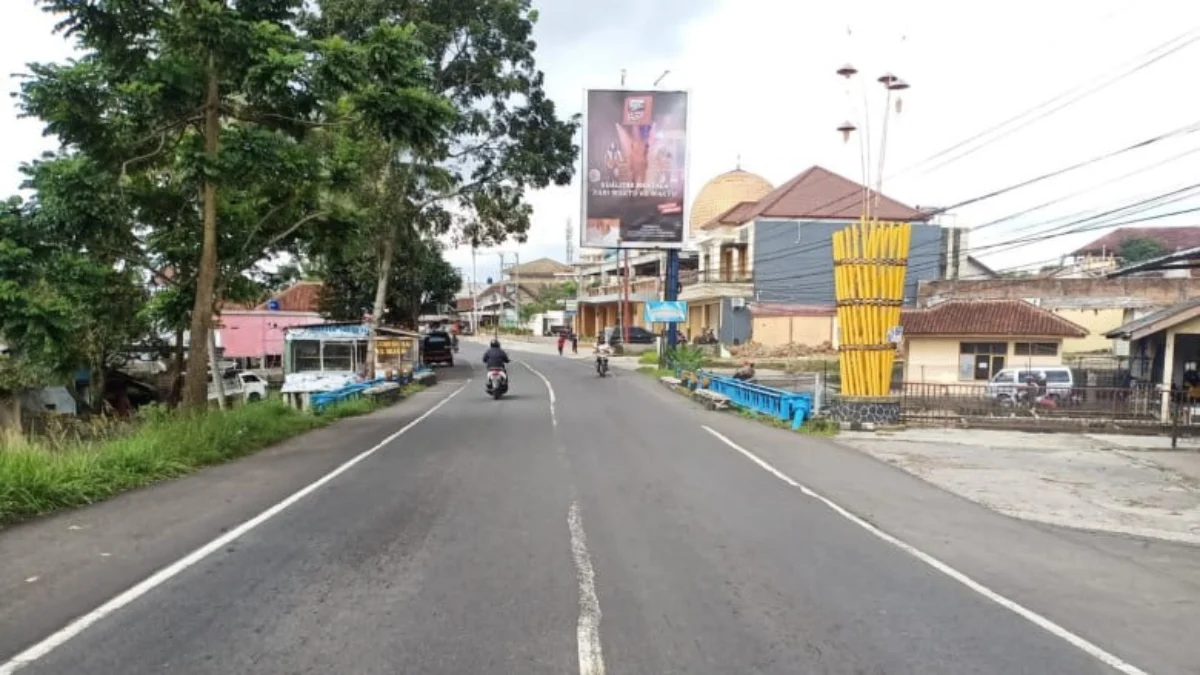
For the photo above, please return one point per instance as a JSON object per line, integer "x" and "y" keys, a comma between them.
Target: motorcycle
{"x": 602, "y": 365}
{"x": 497, "y": 382}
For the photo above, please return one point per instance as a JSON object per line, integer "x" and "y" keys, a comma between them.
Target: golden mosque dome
{"x": 723, "y": 193}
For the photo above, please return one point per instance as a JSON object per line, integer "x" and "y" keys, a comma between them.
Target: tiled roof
{"x": 1001, "y": 318}
{"x": 1171, "y": 238}
{"x": 819, "y": 193}
{"x": 542, "y": 267}
{"x": 302, "y": 296}
{"x": 734, "y": 215}
{"x": 498, "y": 289}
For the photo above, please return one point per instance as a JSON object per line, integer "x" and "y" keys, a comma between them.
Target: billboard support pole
{"x": 671, "y": 292}
{"x": 625, "y": 312}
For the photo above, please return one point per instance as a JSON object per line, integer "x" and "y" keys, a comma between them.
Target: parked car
{"x": 637, "y": 336}
{"x": 254, "y": 388}
{"x": 1060, "y": 382}
{"x": 240, "y": 383}
{"x": 437, "y": 348}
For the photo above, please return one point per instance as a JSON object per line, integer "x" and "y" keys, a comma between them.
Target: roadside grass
{"x": 39, "y": 476}
{"x": 816, "y": 426}
{"x": 648, "y": 358}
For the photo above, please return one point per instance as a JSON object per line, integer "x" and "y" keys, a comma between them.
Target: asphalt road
{"x": 600, "y": 529}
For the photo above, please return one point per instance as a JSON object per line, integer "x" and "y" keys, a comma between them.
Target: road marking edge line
{"x": 1033, "y": 617}
{"x": 74, "y": 628}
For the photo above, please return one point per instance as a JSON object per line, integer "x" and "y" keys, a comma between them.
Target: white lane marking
{"x": 549, "y": 388}
{"x": 1042, "y": 622}
{"x": 587, "y": 630}
{"x": 591, "y": 658}
{"x": 77, "y": 626}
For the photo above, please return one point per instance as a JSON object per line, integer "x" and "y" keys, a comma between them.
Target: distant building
{"x": 777, "y": 251}
{"x": 254, "y": 335}
{"x": 540, "y": 272}
{"x": 1103, "y": 255}
{"x": 970, "y": 341}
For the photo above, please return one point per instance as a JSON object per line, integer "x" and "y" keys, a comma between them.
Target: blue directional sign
{"x": 665, "y": 311}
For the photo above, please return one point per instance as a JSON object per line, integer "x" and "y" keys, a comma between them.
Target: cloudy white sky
{"x": 764, "y": 87}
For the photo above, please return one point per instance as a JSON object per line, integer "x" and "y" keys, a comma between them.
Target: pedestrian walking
{"x": 562, "y": 340}
{"x": 574, "y": 343}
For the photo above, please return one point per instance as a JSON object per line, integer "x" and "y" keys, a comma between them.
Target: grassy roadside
{"x": 38, "y": 478}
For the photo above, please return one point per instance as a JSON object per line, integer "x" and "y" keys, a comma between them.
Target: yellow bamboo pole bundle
{"x": 870, "y": 258}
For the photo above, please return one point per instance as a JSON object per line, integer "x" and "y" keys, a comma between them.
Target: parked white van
{"x": 1060, "y": 382}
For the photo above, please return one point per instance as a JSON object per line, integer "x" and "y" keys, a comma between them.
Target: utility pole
{"x": 215, "y": 367}
{"x": 515, "y": 274}
{"x": 504, "y": 285}
{"x": 474, "y": 292}
{"x": 671, "y": 292}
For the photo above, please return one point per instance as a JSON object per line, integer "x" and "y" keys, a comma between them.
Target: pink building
{"x": 258, "y": 333}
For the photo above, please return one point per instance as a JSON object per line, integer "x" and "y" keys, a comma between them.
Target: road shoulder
{"x": 1138, "y": 597}
{"x": 60, "y": 567}
{"x": 1072, "y": 480}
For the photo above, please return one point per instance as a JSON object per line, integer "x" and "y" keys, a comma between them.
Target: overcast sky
{"x": 764, "y": 87}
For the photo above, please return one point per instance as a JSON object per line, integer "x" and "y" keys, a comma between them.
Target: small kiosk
{"x": 327, "y": 357}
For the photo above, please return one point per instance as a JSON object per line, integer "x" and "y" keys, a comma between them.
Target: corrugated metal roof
{"x": 1137, "y": 325}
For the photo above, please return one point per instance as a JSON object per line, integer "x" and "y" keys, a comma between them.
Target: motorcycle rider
{"x": 603, "y": 350}
{"x": 496, "y": 358}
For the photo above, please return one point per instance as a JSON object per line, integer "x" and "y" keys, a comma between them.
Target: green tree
{"x": 425, "y": 280}
{"x": 1136, "y": 249}
{"x": 507, "y": 137}
{"x": 549, "y": 298}
{"x": 222, "y": 97}
{"x": 32, "y": 319}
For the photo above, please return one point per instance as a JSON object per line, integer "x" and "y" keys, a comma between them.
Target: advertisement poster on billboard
{"x": 635, "y": 169}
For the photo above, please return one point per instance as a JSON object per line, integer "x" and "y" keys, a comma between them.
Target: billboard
{"x": 634, "y": 169}
{"x": 665, "y": 311}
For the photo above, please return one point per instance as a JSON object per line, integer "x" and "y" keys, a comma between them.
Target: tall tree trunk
{"x": 387, "y": 251}
{"x": 99, "y": 384}
{"x": 10, "y": 417}
{"x": 176, "y": 371}
{"x": 196, "y": 387}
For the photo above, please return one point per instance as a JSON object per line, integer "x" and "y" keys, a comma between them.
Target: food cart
{"x": 327, "y": 357}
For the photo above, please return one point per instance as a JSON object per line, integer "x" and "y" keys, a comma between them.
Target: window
{"x": 1004, "y": 377}
{"x": 1058, "y": 376}
{"x": 1035, "y": 349}
{"x": 338, "y": 356}
{"x": 306, "y": 356}
{"x": 981, "y": 360}
{"x": 360, "y": 353}
{"x": 250, "y": 377}
{"x": 273, "y": 361}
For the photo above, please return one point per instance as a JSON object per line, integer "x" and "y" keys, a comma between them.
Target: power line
{"x": 1150, "y": 57}
{"x": 1076, "y": 227}
{"x": 1181, "y": 131}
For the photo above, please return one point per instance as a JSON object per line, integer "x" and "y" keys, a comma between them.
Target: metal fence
{"x": 1138, "y": 408}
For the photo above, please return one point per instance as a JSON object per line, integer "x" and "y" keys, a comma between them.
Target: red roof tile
{"x": 1172, "y": 239}
{"x": 819, "y": 193}
{"x": 302, "y": 296}
{"x": 988, "y": 317}
{"x": 734, "y": 215}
